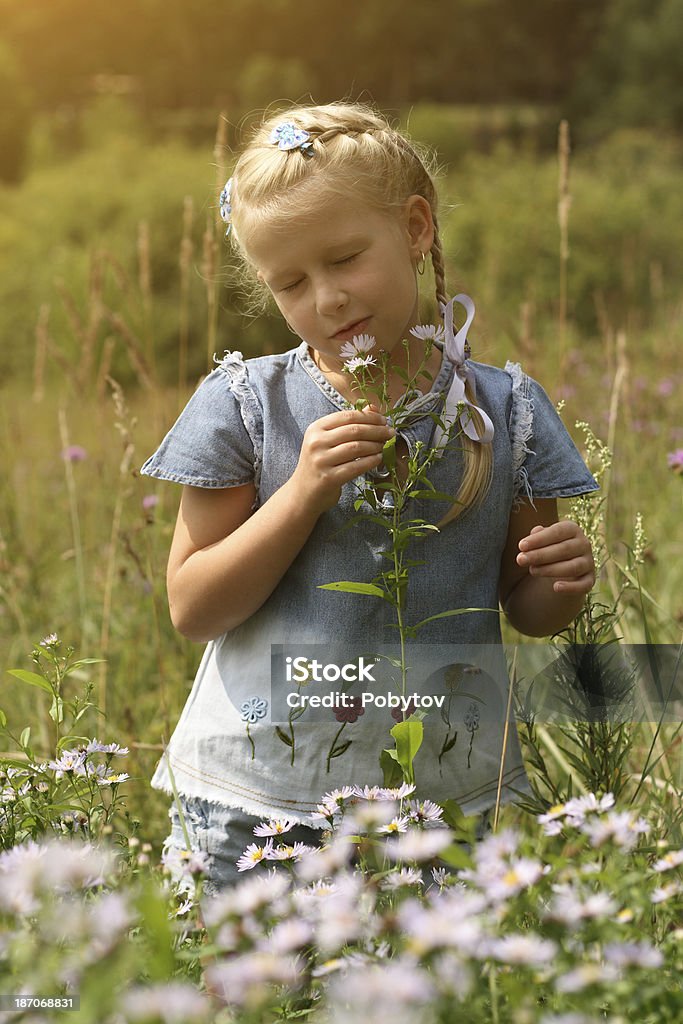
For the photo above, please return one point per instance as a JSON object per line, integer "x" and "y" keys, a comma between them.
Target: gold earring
{"x": 422, "y": 260}
{"x": 289, "y": 327}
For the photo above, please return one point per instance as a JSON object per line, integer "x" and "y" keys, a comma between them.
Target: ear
{"x": 420, "y": 225}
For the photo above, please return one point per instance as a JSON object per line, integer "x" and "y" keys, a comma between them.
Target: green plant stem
{"x": 75, "y": 522}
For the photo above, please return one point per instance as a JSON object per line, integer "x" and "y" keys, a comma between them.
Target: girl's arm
{"x": 225, "y": 561}
{"x": 546, "y": 570}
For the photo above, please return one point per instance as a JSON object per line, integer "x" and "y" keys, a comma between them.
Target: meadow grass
{"x": 83, "y": 542}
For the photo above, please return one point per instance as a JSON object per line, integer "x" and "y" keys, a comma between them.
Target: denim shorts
{"x": 225, "y": 832}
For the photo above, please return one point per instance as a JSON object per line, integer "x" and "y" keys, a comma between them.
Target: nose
{"x": 330, "y": 297}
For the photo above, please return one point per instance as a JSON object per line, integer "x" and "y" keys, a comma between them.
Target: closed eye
{"x": 347, "y": 259}
{"x": 291, "y": 287}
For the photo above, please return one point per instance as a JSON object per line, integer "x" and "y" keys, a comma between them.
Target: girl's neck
{"x": 395, "y": 386}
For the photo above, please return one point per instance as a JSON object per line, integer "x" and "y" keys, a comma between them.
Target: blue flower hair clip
{"x": 226, "y": 205}
{"x": 287, "y": 136}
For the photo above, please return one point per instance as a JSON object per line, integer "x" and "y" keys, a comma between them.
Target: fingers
{"x": 561, "y": 552}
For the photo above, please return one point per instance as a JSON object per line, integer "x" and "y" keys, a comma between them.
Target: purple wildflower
{"x": 74, "y": 453}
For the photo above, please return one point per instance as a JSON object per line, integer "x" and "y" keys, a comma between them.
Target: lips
{"x": 349, "y": 332}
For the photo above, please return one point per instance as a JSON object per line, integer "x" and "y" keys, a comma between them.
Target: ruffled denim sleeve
{"x": 546, "y": 462}
{"x": 217, "y": 439}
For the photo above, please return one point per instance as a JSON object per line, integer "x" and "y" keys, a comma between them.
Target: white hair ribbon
{"x": 457, "y": 403}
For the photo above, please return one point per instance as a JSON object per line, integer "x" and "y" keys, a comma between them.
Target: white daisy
{"x": 428, "y": 332}
{"x": 253, "y": 855}
{"x": 360, "y": 343}
{"x": 275, "y": 827}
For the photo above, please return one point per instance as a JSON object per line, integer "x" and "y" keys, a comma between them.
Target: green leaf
{"x": 283, "y": 736}
{"x": 464, "y": 826}
{"x": 350, "y": 587}
{"x": 32, "y": 678}
{"x": 389, "y": 453}
{"x": 455, "y": 611}
{"x": 25, "y": 737}
{"x": 431, "y": 495}
{"x": 408, "y": 736}
{"x": 57, "y": 710}
{"x": 388, "y": 762}
{"x": 3, "y": 719}
{"x": 456, "y": 857}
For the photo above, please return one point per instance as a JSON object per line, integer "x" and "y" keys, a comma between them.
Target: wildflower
{"x": 51, "y": 640}
{"x": 675, "y": 460}
{"x": 585, "y": 975}
{"x": 172, "y": 1002}
{"x": 287, "y": 936}
{"x": 74, "y": 453}
{"x": 293, "y": 852}
{"x": 618, "y": 826}
{"x": 244, "y": 980}
{"x": 368, "y": 817}
{"x": 440, "y": 927}
{"x": 572, "y": 1018}
{"x": 418, "y": 845}
{"x": 337, "y": 797}
{"x": 570, "y": 908}
{"x": 399, "y": 988}
{"x": 405, "y": 876}
{"x": 70, "y": 761}
{"x": 397, "y": 824}
{"x": 247, "y": 897}
{"x": 113, "y": 780}
{"x": 428, "y": 332}
{"x": 150, "y": 501}
{"x": 577, "y": 808}
{"x": 326, "y": 861}
{"x": 276, "y": 827}
{"x": 115, "y": 749}
{"x": 633, "y": 954}
{"x": 360, "y": 343}
{"x": 73, "y": 821}
{"x": 399, "y": 792}
{"x": 665, "y": 892}
{"x": 522, "y": 949}
{"x": 425, "y": 812}
{"x": 352, "y": 365}
{"x": 369, "y": 792}
{"x": 441, "y": 876}
{"x": 668, "y": 861}
{"x": 253, "y": 855}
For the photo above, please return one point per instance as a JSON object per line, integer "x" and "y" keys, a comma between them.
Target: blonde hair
{"x": 353, "y": 151}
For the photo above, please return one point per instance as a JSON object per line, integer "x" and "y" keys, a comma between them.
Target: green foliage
{"x": 77, "y": 791}
{"x": 632, "y": 75}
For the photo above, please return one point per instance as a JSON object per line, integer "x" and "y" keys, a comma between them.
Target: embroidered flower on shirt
{"x": 253, "y": 709}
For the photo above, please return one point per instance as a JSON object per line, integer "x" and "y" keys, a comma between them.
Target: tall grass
{"x": 123, "y": 331}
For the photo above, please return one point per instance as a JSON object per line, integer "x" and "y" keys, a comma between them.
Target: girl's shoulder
{"x": 255, "y": 369}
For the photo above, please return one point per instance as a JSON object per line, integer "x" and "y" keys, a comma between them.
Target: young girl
{"x": 333, "y": 212}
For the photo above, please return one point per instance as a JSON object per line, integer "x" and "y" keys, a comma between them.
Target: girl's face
{"x": 349, "y": 270}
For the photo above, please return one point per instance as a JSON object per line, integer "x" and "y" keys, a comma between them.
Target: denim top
{"x": 246, "y": 422}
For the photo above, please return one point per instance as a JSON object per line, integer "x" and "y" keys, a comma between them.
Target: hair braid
{"x": 438, "y": 265}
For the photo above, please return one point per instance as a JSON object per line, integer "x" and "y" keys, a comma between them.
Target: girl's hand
{"x": 336, "y": 449}
{"x": 563, "y": 553}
